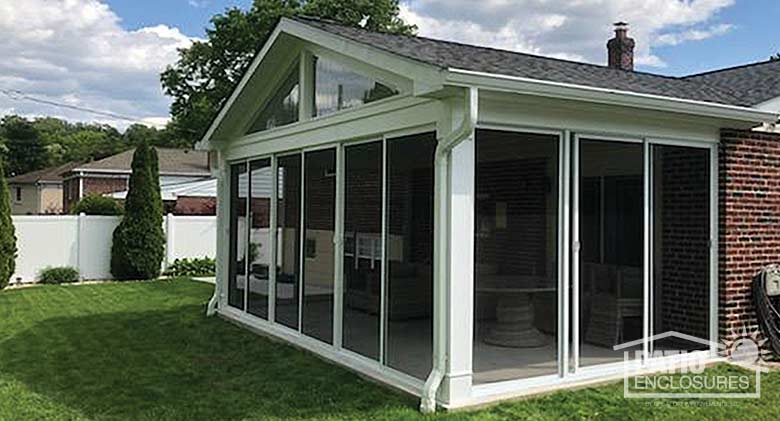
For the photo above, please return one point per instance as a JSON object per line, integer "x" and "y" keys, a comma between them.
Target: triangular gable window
{"x": 282, "y": 108}
{"x": 338, "y": 88}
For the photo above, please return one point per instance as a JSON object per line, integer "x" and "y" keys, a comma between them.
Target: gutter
{"x": 441, "y": 245}
{"x": 571, "y": 91}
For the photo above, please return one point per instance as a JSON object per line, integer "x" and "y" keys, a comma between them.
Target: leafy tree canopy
{"x": 208, "y": 70}
{"x": 29, "y": 145}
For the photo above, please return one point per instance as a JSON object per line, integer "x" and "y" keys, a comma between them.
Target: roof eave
{"x": 561, "y": 90}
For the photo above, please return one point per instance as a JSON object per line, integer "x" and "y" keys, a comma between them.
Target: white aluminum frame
{"x": 374, "y": 368}
{"x": 570, "y": 373}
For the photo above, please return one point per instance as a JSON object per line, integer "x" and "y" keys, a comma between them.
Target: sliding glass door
{"x": 516, "y": 256}
{"x": 610, "y": 202}
{"x": 586, "y": 244}
{"x": 363, "y": 262}
{"x": 680, "y": 270}
{"x": 641, "y": 221}
{"x": 319, "y": 204}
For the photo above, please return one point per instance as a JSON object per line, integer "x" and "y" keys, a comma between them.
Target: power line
{"x": 18, "y": 95}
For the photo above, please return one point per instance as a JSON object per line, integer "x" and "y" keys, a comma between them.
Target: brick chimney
{"x": 621, "y": 48}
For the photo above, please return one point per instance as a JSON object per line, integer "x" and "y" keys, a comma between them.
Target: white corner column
{"x": 222, "y": 173}
{"x": 460, "y": 288}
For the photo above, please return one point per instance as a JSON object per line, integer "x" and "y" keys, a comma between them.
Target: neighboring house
{"x": 188, "y": 198}
{"x": 111, "y": 174}
{"x": 470, "y": 224}
{"x": 38, "y": 192}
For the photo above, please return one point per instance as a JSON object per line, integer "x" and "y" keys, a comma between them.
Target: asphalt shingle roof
{"x": 51, "y": 174}
{"x": 446, "y": 54}
{"x": 172, "y": 161}
{"x": 752, "y": 83}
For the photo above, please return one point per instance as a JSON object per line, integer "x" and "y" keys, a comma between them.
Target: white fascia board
{"x": 561, "y": 90}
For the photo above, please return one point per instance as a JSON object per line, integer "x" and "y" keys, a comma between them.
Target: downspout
{"x": 441, "y": 245}
{"x": 222, "y": 228}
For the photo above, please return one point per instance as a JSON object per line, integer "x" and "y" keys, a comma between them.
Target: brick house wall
{"x": 682, "y": 200}
{"x": 91, "y": 185}
{"x": 749, "y": 225}
{"x": 186, "y": 205}
{"x": 102, "y": 185}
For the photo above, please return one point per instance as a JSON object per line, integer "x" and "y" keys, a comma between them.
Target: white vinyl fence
{"x": 84, "y": 242}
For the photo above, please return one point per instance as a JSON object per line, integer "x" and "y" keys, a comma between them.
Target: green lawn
{"x": 146, "y": 351}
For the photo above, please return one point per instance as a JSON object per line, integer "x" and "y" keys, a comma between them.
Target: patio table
{"x": 515, "y": 310}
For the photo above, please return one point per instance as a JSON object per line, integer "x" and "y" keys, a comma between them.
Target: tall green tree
{"x": 23, "y": 148}
{"x": 139, "y": 241}
{"x": 208, "y": 70}
{"x": 7, "y": 235}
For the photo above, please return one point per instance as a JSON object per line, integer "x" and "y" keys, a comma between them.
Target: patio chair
{"x": 612, "y": 306}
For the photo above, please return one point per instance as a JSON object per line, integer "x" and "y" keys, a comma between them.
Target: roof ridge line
{"x": 726, "y": 69}
{"x": 502, "y": 50}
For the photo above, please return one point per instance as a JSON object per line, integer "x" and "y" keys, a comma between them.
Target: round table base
{"x": 515, "y": 327}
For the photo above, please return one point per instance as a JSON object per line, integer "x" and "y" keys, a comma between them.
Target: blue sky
{"x": 754, "y": 36}
{"x": 107, "y": 54}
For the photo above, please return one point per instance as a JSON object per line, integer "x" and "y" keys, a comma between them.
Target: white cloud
{"x": 198, "y": 3}
{"x": 573, "y": 29}
{"x": 76, "y": 52}
{"x": 676, "y": 38}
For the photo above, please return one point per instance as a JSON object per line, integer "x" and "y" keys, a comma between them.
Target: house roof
{"x": 453, "y": 55}
{"x": 172, "y": 161}
{"x": 48, "y": 175}
{"x": 752, "y": 83}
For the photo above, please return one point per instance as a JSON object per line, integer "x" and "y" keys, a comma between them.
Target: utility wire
{"x": 18, "y": 95}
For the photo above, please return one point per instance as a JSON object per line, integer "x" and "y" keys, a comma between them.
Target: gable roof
{"x": 752, "y": 83}
{"x": 432, "y": 65}
{"x": 172, "y": 161}
{"x": 45, "y": 175}
{"x": 448, "y": 55}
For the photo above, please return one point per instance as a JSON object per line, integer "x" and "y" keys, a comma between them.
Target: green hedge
{"x": 58, "y": 275}
{"x": 95, "y": 204}
{"x": 192, "y": 267}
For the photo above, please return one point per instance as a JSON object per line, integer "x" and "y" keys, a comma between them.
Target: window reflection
{"x": 282, "y": 108}
{"x": 409, "y": 304}
{"x": 516, "y": 258}
{"x": 237, "y": 252}
{"x": 288, "y": 216}
{"x": 318, "y": 273}
{"x": 362, "y": 248}
{"x": 338, "y": 88}
{"x": 681, "y": 251}
{"x": 612, "y": 238}
{"x": 259, "y": 250}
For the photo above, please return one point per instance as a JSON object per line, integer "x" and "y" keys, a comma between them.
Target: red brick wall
{"x": 682, "y": 265}
{"x": 102, "y": 185}
{"x": 195, "y": 206}
{"x": 749, "y": 202}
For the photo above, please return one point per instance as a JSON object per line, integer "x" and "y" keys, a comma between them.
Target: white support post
{"x": 647, "y": 173}
{"x": 306, "y": 86}
{"x": 219, "y": 300}
{"x": 460, "y": 288}
{"x": 274, "y": 239}
{"x": 338, "y": 246}
{"x": 714, "y": 274}
{"x": 568, "y": 255}
{"x": 81, "y": 224}
{"x": 169, "y": 241}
